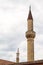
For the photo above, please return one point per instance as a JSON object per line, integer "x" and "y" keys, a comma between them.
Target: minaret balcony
{"x": 30, "y": 34}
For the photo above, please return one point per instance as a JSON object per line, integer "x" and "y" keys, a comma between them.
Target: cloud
{"x": 38, "y": 47}
{"x": 9, "y": 55}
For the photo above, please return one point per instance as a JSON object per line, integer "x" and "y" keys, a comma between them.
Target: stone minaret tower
{"x": 17, "y": 56}
{"x": 30, "y": 35}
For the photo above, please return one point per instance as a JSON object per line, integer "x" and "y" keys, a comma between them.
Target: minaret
{"x": 17, "y": 56}
{"x": 30, "y": 35}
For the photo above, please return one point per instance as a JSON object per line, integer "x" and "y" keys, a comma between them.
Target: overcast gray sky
{"x": 13, "y": 25}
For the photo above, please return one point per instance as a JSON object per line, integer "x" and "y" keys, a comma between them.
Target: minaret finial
{"x": 30, "y": 7}
{"x": 18, "y": 50}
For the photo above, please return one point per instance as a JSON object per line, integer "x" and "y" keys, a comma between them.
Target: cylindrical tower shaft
{"x": 30, "y": 49}
{"x": 17, "y": 56}
{"x": 30, "y": 35}
{"x": 30, "y": 25}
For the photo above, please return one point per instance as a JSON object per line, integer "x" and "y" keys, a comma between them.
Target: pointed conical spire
{"x": 30, "y": 14}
